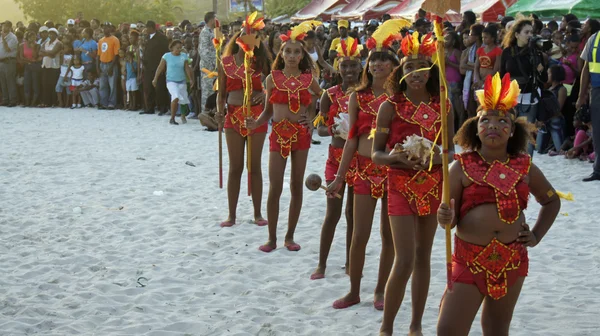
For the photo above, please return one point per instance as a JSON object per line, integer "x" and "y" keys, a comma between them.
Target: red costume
{"x": 236, "y": 80}
{"x": 414, "y": 192}
{"x": 371, "y": 179}
{"x": 286, "y": 136}
{"x": 339, "y": 104}
{"x": 495, "y": 267}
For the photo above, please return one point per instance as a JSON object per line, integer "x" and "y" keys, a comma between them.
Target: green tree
{"x": 275, "y": 8}
{"x": 114, "y": 11}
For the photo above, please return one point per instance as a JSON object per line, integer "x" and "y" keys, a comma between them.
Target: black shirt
{"x": 509, "y": 63}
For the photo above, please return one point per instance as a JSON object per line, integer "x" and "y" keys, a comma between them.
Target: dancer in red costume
{"x": 232, "y": 83}
{"x": 333, "y": 103}
{"x": 490, "y": 187}
{"x": 414, "y": 186}
{"x": 371, "y": 179}
{"x": 289, "y": 90}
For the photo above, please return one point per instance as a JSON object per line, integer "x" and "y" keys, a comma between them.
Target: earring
{"x": 511, "y": 134}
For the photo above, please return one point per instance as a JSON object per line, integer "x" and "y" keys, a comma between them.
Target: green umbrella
{"x": 556, "y": 8}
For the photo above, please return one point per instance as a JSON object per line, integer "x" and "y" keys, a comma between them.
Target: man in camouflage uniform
{"x": 208, "y": 61}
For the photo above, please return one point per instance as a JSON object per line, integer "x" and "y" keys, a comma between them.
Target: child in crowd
{"x": 570, "y": 60}
{"x": 123, "y": 69}
{"x": 557, "y": 47}
{"x": 583, "y": 147}
{"x": 89, "y": 90}
{"x": 64, "y": 83}
{"x": 75, "y": 76}
{"x": 131, "y": 84}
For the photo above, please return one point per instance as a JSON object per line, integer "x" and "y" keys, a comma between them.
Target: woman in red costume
{"x": 232, "y": 83}
{"x": 371, "y": 179}
{"x": 490, "y": 187}
{"x": 333, "y": 103}
{"x": 289, "y": 89}
{"x": 414, "y": 184}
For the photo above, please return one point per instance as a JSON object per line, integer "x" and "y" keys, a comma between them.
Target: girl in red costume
{"x": 232, "y": 83}
{"x": 371, "y": 179}
{"x": 333, "y": 103}
{"x": 490, "y": 187}
{"x": 414, "y": 186}
{"x": 289, "y": 89}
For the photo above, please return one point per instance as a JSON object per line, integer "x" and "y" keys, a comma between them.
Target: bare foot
{"x": 319, "y": 273}
{"x": 347, "y": 301}
{"x": 260, "y": 221}
{"x": 291, "y": 245}
{"x": 228, "y": 223}
{"x": 385, "y": 333}
{"x": 415, "y": 331}
{"x": 269, "y": 246}
{"x": 378, "y": 301}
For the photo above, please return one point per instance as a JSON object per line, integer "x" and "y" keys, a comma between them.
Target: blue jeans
{"x": 108, "y": 85}
{"x": 530, "y": 112}
{"x": 556, "y": 127}
{"x": 31, "y": 83}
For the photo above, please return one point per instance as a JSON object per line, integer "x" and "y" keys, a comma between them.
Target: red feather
{"x": 285, "y": 37}
{"x": 217, "y": 24}
{"x": 354, "y": 47}
{"x": 388, "y": 41}
{"x": 427, "y": 47}
{"x": 489, "y": 92}
{"x": 371, "y": 43}
{"x": 343, "y": 44}
{"x": 300, "y": 37}
{"x": 505, "y": 87}
{"x": 406, "y": 45}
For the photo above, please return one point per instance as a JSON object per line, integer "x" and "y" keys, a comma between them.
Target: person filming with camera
{"x": 523, "y": 58}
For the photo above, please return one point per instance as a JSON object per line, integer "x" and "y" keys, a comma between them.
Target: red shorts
{"x": 236, "y": 116}
{"x": 333, "y": 163}
{"x": 412, "y": 192}
{"x": 287, "y": 137}
{"x": 492, "y": 268}
{"x": 371, "y": 179}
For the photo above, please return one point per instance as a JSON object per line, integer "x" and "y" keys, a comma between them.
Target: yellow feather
{"x": 388, "y": 28}
{"x": 372, "y": 133}
{"x": 481, "y": 97}
{"x": 304, "y": 27}
{"x": 415, "y": 43}
{"x": 513, "y": 94}
{"x": 568, "y": 196}
{"x": 252, "y": 17}
{"x": 319, "y": 120}
{"x": 496, "y": 88}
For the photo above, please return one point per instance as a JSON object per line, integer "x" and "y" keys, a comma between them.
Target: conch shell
{"x": 416, "y": 147}
{"x": 342, "y": 125}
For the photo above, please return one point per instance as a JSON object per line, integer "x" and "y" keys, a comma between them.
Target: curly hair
{"x": 393, "y": 84}
{"x": 366, "y": 79}
{"x": 262, "y": 59}
{"x": 305, "y": 65}
{"x": 468, "y": 139}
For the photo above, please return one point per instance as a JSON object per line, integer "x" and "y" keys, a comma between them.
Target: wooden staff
{"x": 441, "y": 59}
{"x": 217, "y": 42}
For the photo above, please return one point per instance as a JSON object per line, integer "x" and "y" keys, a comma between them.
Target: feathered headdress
{"x": 298, "y": 33}
{"x": 498, "y": 95}
{"x": 348, "y": 49}
{"x": 253, "y": 24}
{"x": 386, "y": 34}
{"x": 413, "y": 48}
{"x": 219, "y": 38}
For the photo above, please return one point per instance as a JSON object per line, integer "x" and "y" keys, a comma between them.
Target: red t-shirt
{"x": 487, "y": 61}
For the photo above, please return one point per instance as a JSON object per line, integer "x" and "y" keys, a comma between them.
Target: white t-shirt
{"x": 78, "y": 73}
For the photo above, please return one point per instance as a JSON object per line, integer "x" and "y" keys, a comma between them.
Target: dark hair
{"x": 573, "y": 38}
{"x": 305, "y": 65}
{"x": 386, "y": 17}
{"x": 8, "y": 23}
{"x": 174, "y": 43}
{"x": 470, "y": 16}
{"x": 510, "y": 39}
{"x": 262, "y": 60}
{"x": 366, "y": 79}
{"x": 394, "y": 86}
{"x": 454, "y": 36}
{"x": 583, "y": 115}
{"x": 558, "y": 73}
{"x": 570, "y": 17}
{"x": 209, "y": 16}
{"x": 477, "y": 30}
{"x": 151, "y": 24}
{"x": 538, "y": 25}
{"x": 552, "y": 25}
{"x": 274, "y": 34}
{"x": 491, "y": 30}
{"x": 594, "y": 26}
{"x": 84, "y": 24}
{"x": 310, "y": 35}
{"x": 95, "y": 20}
{"x": 575, "y": 24}
{"x": 468, "y": 139}
{"x": 505, "y": 20}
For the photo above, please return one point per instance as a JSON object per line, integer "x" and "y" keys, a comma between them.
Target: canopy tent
{"x": 319, "y": 8}
{"x": 282, "y": 19}
{"x": 363, "y": 10}
{"x": 409, "y": 10}
{"x": 488, "y": 10}
{"x": 556, "y": 8}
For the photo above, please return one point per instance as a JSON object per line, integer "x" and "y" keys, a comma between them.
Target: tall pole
{"x": 215, "y": 6}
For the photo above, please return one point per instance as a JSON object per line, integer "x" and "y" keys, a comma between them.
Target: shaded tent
{"x": 409, "y": 9}
{"x": 362, "y": 10}
{"x": 319, "y": 8}
{"x": 488, "y": 10}
{"x": 556, "y": 8}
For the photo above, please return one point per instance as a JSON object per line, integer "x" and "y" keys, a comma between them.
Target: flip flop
{"x": 293, "y": 247}
{"x": 341, "y": 304}
{"x": 227, "y": 224}
{"x": 317, "y": 276}
{"x": 261, "y": 222}
{"x": 378, "y": 305}
{"x": 267, "y": 248}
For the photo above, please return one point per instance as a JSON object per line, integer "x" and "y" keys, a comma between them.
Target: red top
{"x": 339, "y": 103}
{"x": 487, "y": 60}
{"x": 368, "y": 106}
{"x": 424, "y": 120}
{"x": 291, "y": 90}
{"x": 236, "y": 76}
{"x": 496, "y": 182}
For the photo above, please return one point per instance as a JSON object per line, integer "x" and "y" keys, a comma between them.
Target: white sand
{"x": 67, "y": 273}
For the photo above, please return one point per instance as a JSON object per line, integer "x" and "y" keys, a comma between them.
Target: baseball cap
{"x": 53, "y": 30}
{"x": 133, "y": 26}
{"x": 343, "y": 24}
{"x": 70, "y": 22}
{"x": 43, "y": 29}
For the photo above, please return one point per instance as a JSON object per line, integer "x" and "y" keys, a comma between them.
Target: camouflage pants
{"x": 207, "y": 89}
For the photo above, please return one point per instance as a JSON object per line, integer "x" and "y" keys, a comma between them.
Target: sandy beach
{"x": 105, "y": 230}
